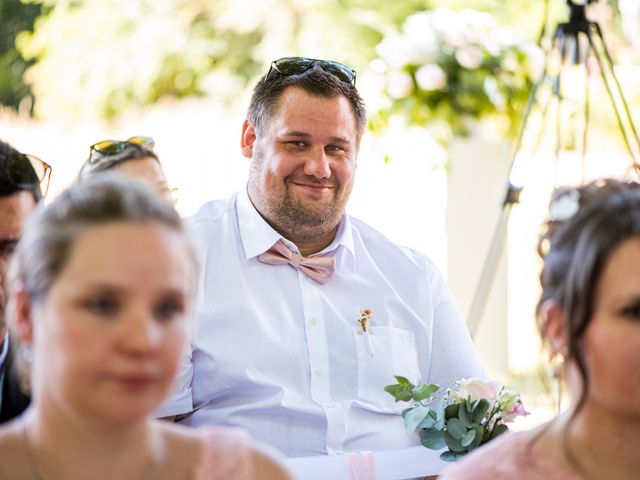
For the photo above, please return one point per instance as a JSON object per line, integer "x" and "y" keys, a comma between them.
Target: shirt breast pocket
{"x": 393, "y": 353}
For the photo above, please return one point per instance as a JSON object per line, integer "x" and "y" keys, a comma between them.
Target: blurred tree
{"x": 96, "y": 58}
{"x": 15, "y": 17}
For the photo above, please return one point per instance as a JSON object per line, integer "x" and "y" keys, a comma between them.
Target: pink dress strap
{"x": 225, "y": 454}
{"x": 361, "y": 466}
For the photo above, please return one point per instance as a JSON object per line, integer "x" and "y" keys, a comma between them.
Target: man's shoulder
{"x": 378, "y": 243}
{"x": 212, "y": 212}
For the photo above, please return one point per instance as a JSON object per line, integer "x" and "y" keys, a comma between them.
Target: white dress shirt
{"x": 284, "y": 357}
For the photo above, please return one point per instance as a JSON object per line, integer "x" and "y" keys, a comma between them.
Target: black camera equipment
{"x": 577, "y": 41}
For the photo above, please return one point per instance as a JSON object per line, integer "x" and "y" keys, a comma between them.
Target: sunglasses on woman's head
{"x": 25, "y": 172}
{"x": 297, "y": 65}
{"x": 108, "y": 148}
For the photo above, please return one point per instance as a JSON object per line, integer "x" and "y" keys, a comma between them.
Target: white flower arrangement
{"x": 446, "y": 66}
{"x": 464, "y": 419}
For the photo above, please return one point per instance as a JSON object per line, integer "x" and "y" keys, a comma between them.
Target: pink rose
{"x": 475, "y": 388}
{"x": 518, "y": 411}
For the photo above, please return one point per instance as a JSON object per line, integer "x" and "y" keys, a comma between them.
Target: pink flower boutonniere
{"x": 364, "y": 319}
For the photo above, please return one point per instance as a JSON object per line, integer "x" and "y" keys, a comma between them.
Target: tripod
{"x": 579, "y": 41}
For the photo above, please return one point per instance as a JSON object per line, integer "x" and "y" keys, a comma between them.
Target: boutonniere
{"x": 364, "y": 319}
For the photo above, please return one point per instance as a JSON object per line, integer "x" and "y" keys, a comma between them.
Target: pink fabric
{"x": 319, "y": 268}
{"x": 361, "y": 466}
{"x": 506, "y": 458}
{"x": 225, "y": 454}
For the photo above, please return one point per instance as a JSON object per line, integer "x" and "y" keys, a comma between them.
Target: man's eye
{"x": 296, "y": 144}
{"x": 102, "y": 306}
{"x": 334, "y": 148}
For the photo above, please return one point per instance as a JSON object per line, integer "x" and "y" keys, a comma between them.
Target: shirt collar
{"x": 258, "y": 236}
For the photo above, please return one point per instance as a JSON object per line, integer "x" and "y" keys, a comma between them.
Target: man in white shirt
{"x": 21, "y": 177}
{"x": 297, "y": 355}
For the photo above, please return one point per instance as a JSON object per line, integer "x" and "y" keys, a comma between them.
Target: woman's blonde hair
{"x": 43, "y": 250}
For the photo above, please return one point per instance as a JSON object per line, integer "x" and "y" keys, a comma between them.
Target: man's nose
{"x": 317, "y": 164}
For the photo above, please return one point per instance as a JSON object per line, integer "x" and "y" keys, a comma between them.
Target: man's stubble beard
{"x": 291, "y": 217}
{"x": 306, "y": 223}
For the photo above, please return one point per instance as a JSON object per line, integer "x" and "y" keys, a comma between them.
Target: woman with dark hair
{"x": 589, "y": 313}
{"x": 100, "y": 288}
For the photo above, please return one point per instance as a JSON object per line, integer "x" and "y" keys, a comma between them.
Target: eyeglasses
{"x": 297, "y": 65}
{"x": 109, "y": 148}
{"x": 25, "y": 172}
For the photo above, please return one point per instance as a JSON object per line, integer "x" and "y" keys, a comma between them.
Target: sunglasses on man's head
{"x": 25, "y": 172}
{"x": 297, "y": 65}
{"x": 108, "y": 148}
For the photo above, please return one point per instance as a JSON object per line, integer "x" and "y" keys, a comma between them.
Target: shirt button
{"x": 318, "y": 372}
{"x": 313, "y": 322}
{"x": 329, "y": 405}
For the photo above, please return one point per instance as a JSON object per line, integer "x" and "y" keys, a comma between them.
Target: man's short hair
{"x": 7, "y": 187}
{"x": 315, "y": 82}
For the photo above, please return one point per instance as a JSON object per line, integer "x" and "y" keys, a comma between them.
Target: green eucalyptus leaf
{"x": 498, "y": 430}
{"x": 428, "y": 422}
{"x": 439, "y": 412}
{"x": 424, "y": 391}
{"x": 464, "y": 416}
{"x": 468, "y": 438}
{"x": 451, "y": 411}
{"x": 456, "y": 428}
{"x": 448, "y": 456}
{"x": 432, "y": 438}
{"x": 478, "y": 438}
{"x": 404, "y": 381}
{"x": 480, "y": 410}
{"x": 401, "y": 393}
{"x": 414, "y": 417}
{"x": 454, "y": 444}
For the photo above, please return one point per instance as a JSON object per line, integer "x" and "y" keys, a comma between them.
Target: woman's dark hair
{"x": 585, "y": 225}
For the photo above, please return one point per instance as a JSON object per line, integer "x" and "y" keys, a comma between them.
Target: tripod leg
{"x": 496, "y": 246}
{"x": 488, "y": 271}
{"x": 587, "y": 111}
{"x": 607, "y": 64}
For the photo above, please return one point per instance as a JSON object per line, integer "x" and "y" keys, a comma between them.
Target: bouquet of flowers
{"x": 475, "y": 413}
{"x": 445, "y": 67}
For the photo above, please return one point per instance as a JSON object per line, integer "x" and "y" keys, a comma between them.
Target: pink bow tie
{"x": 319, "y": 269}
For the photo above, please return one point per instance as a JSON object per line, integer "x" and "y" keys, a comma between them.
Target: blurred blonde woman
{"x": 133, "y": 158}
{"x": 100, "y": 287}
{"x": 589, "y": 314}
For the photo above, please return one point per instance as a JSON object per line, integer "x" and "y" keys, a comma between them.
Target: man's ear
{"x": 554, "y": 327}
{"x": 22, "y": 315}
{"x": 248, "y": 139}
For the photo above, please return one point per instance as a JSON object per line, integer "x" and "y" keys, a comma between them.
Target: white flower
{"x": 475, "y": 388}
{"x": 418, "y": 26}
{"x": 564, "y": 207}
{"x": 400, "y": 50}
{"x": 431, "y": 77}
{"x": 469, "y": 57}
{"x": 399, "y": 84}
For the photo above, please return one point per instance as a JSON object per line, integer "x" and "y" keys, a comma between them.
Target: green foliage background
{"x": 95, "y": 58}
